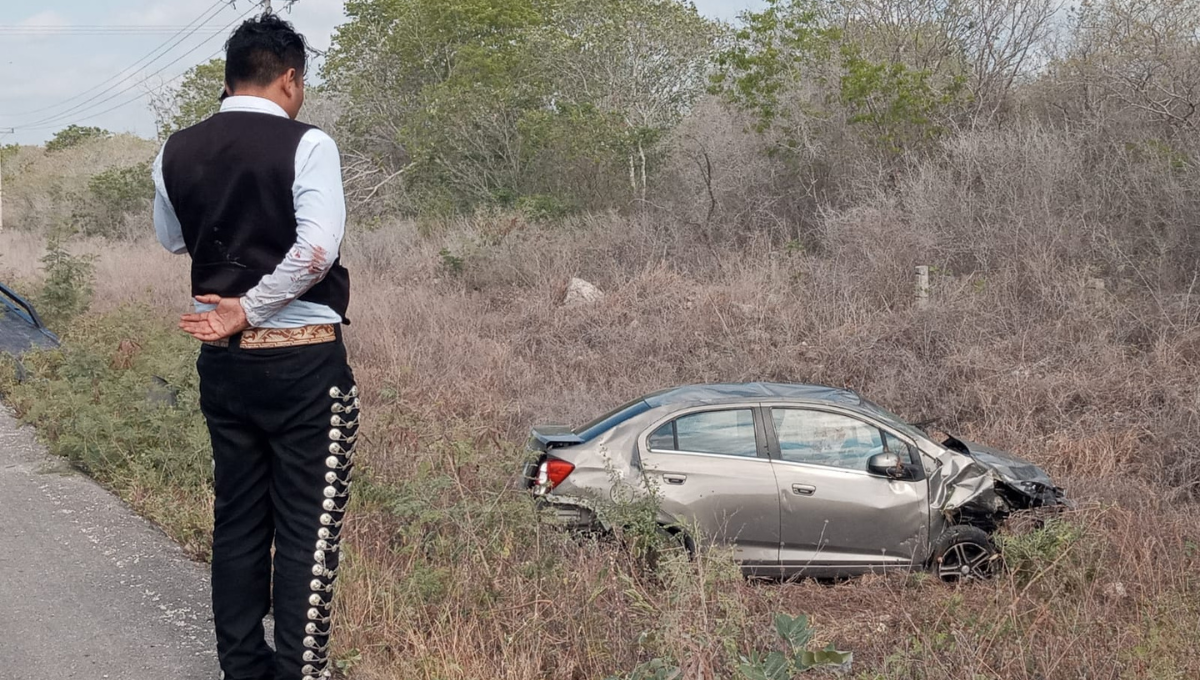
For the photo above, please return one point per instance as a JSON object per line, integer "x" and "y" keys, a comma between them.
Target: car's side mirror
{"x": 888, "y": 465}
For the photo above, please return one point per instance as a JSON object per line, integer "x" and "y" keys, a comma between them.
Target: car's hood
{"x": 1017, "y": 474}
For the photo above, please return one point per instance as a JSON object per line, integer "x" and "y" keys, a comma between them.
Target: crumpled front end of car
{"x": 979, "y": 485}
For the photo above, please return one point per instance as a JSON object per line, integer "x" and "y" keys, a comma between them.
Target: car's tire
{"x": 964, "y": 553}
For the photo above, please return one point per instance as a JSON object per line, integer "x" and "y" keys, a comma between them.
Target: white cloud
{"x": 45, "y": 18}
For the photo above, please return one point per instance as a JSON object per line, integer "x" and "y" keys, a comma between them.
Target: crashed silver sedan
{"x": 797, "y": 479}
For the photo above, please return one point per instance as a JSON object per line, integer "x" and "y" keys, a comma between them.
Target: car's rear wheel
{"x": 965, "y": 553}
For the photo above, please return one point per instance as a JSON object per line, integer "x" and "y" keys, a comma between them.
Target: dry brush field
{"x": 753, "y": 199}
{"x": 461, "y": 341}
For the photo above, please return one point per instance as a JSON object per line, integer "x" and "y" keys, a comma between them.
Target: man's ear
{"x": 291, "y": 82}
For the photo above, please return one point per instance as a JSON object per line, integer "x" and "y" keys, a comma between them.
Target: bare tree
{"x": 1143, "y": 55}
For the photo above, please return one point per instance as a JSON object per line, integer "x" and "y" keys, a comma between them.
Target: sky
{"x": 94, "y": 62}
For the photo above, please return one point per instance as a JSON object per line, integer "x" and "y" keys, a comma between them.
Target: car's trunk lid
{"x": 547, "y": 437}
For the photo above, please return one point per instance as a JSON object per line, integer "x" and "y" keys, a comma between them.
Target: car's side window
{"x": 895, "y": 445}
{"x": 663, "y": 439}
{"x": 728, "y": 433}
{"x": 821, "y": 438}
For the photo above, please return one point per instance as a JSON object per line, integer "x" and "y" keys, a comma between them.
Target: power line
{"x": 58, "y": 119}
{"x": 97, "y": 114}
{"x": 90, "y": 30}
{"x": 147, "y": 59}
{"x": 87, "y": 105}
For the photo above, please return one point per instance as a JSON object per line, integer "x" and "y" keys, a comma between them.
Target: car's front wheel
{"x": 965, "y": 553}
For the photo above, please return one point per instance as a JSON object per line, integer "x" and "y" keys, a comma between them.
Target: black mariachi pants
{"x": 283, "y": 424}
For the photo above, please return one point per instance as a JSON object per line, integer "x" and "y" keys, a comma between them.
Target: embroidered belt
{"x": 274, "y": 338}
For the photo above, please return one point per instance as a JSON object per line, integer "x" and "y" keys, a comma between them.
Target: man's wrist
{"x": 251, "y": 318}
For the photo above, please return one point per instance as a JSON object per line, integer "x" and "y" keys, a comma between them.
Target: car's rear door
{"x": 836, "y": 516}
{"x": 712, "y": 469}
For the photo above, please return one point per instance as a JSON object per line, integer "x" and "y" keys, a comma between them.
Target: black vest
{"x": 230, "y": 180}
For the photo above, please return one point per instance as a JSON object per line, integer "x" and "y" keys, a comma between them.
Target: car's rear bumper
{"x": 569, "y": 515}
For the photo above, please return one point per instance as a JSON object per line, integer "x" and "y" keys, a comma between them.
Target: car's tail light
{"x": 552, "y": 472}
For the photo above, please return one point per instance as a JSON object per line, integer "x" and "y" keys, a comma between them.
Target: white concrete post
{"x": 922, "y": 287}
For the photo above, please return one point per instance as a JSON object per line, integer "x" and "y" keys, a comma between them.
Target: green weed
{"x": 67, "y": 290}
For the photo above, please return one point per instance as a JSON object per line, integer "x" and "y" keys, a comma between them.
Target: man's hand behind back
{"x": 218, "y": 324}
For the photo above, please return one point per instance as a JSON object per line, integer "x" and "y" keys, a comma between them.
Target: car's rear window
{"x": 611, "y": 419}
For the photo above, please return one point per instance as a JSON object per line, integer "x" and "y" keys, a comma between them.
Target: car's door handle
{"x": 675, "y": 479}
{"x": 803, "y": 489}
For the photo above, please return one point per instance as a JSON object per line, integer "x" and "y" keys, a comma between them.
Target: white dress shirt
{"x": 320, "y": 226}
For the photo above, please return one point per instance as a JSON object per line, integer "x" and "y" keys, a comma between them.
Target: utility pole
{"x": 3, "y": 131}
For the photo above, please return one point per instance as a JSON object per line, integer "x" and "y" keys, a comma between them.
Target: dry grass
{"x": 1052, "y": 333}
{"x": 1043, "y": 367}
{"x": 136, "y": 272}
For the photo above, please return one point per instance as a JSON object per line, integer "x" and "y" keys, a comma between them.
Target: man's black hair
{"x": 261, "y": 50}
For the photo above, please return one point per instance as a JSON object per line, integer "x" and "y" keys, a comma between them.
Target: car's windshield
{"x": 895, "y": 420}
{"x": 611, "y": 419}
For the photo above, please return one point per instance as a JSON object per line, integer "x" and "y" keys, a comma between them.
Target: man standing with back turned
{"x": 256, "y": 199}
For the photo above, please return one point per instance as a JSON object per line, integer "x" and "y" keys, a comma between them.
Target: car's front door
{"x": 836, "y": 514}
{"x": 711, "y": 469}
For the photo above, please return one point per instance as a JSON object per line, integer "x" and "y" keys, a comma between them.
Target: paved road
{"x": 88, "y": 589}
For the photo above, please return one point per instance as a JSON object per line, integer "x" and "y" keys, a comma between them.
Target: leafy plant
{"x": 797, "y": 633}
{"x": 349, "y": 660}
{"x": 451, "y": 263}
{"x": 9, "y": 151}
{"x": 67, "y": 290}
{"x": 1044, "y": 547}
{"x": 544, "y": 208}
{"x": 899, "y": 105}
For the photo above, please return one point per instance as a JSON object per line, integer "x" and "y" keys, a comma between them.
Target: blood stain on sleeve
{"x": 317, "y": 264}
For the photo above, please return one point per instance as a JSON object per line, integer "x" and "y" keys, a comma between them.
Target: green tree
{"x": 478, "y": 102}
{"x": 641, "y": 63}
{"x": 74, "y": 135}
{"x": 803, "y": 65}
{"x": 195, "y": 98}
{"x": 434, "y": 90}
{"x": 114, "y": 193}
